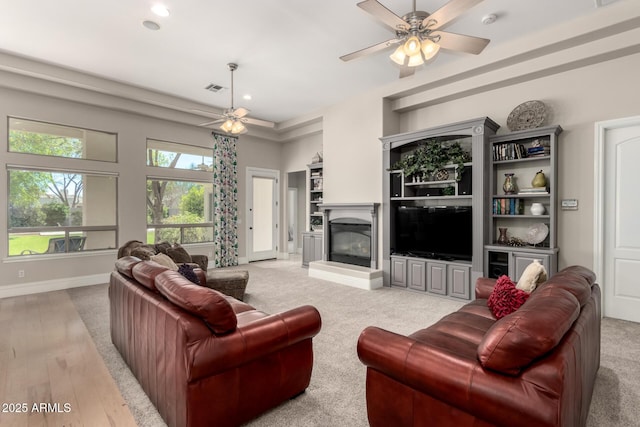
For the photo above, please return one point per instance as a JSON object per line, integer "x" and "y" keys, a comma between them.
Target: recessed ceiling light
{"x": 247, "y": 97}
{"x": 151, "y": 25}
{"x": 160, "y": 10}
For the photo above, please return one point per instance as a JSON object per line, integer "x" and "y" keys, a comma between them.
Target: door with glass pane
{"x": 262, "y": 214}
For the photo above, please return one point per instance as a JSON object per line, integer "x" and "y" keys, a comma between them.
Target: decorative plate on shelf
{"x": 537, "y": 233}
{"x": 528, "y": 115}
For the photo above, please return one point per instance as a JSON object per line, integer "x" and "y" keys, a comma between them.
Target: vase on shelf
{"x": 536, "y": 209}
{"x": 509, "y": 186}
{"x": 502, "y": 238}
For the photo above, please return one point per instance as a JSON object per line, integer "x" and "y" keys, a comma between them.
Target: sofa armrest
{"x": 452, "y": 378}
{"x": 484, "y": 287}
{"x": 201, "y": 260}
{"x": 253, "y": 340}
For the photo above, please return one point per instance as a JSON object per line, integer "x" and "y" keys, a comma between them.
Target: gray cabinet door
{"x": 317, "y": 248}
{"x": 458, "y": 284}
{"x": 417, "y": 275}
{"x": 307, "y": 248}
{"x": 399, "y": 272}
{"x": 521, "y": 260}
{"x": 437, "y": 278}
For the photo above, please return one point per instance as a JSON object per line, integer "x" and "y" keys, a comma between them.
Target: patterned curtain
{"x": 225, "y": 200}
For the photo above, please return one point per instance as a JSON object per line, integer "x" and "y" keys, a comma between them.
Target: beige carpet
{"x": 336, "y": 396}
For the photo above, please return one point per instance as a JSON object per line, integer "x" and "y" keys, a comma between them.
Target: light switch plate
{"x": 569, "y": 204}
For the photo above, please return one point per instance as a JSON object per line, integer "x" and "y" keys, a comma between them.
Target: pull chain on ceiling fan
{"x": 418, "y": 34}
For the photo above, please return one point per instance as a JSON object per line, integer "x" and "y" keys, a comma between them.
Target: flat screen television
{"x": 439, "y": 232}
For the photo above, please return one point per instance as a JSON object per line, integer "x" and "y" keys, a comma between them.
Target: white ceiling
{"x": 287, "y": 50}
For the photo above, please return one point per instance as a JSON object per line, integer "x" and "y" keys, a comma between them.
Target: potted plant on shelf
{"x": 430, "y": 157}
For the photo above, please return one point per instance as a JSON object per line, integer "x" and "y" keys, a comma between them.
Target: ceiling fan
{"x": 233, "y": 119}
{"x": 418, "y": 34}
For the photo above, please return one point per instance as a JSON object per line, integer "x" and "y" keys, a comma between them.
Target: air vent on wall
{"x": 214, "y": 87}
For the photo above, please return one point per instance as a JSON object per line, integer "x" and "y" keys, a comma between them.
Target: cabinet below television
{"x": 446, "y": 278}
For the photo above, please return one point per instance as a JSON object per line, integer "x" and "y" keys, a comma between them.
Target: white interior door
{"x": 619, "y": 240}
{"x": 262, "y": 214}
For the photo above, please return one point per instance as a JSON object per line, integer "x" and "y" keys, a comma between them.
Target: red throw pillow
{"x": 505, "y": 298}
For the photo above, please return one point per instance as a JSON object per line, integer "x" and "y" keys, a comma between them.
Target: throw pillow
{"x": 505, "y": 298}
{"x": 162, "y": 247}
{"x": 163, "y": 259}
{"x": 187, "y": 271}
{"x": 178, "y": 254}
{"x": 143, "y": 253}
{"x": 532, "y": 276}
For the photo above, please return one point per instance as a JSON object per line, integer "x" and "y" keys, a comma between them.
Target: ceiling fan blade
{"x": 371, "y": 49}
{"x": 383, "y": 14}
{"x": 258, "y": 122}
{"x": 460, "y": 42}
{"x": 407, "y": 71}
{"x": 213, "y": 122}
{"x": 240, "y": 112}
{"x": 449, "y": 12}
{"x": 207, "y": 113}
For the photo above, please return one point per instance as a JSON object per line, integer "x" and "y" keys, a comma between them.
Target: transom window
{"x": 172, "y": 155}
{"x": 48, "y": 139}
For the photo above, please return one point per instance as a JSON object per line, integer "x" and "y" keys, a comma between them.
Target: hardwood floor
{"x": 50, "y": 370}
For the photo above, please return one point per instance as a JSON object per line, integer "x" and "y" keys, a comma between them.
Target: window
{"x": 54, "y": 211}
{"x": 47, "y": 139}
{"x": 70, "y": 208}
{"x": 180, "y": 200}
{"x": 178, "y": 156}
{"x": 179, "y": 211}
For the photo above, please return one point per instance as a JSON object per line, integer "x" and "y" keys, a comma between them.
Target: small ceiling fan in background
{"x": 418, "y": 34}
{"x": 233, "y": 119}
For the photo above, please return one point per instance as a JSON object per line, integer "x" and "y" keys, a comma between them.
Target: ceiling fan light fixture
{"x": 398, "y": 56}
{"x": 415, "y": 60}
{"x": 238, "y": 127}
{"x": 227, "y": 125}
{"x": 412, "y": 46}
{"x": 429, "y": 49}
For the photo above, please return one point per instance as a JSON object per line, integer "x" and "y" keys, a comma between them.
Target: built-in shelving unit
{"x": 446, "y": 277}
{"x": 522, "y": 154}
{"x": 316, "y": 191}
{"x": 312, "y": 242}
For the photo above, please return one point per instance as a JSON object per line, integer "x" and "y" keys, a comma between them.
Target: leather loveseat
{"x": 534, "y": 367}
{"x": 204, "y": 358}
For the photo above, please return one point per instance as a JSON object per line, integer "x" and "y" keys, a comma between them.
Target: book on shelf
{"x": 510, "y": 206}
{"x": 533, "y": 190}
{"x": 509, "y": 151}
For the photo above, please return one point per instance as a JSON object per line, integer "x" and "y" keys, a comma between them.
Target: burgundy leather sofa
{"x": 204, "y": 358}
{"x": 534, "y": 367}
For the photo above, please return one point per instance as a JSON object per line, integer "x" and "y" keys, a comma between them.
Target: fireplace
{"x": 350, "y": 245}
{"x": 350, "y": 241}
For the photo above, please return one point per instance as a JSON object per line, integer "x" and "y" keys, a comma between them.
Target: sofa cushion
{"x": 515, "y": 341}
{"x": 146, "y": 272}
{"x": 164, "y": 259}
{"x": 178, "y": 254}
{"x": 125, "y": 264}
{"x": 532, "y": 276}
{"x": 505, "y": 298}
{"x": 575, "y": 281}
{"x": 207, "y": 304}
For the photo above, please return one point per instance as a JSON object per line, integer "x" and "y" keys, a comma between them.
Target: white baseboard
{"x": 243, "y": 260}
{"x": 52, "y": 285}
